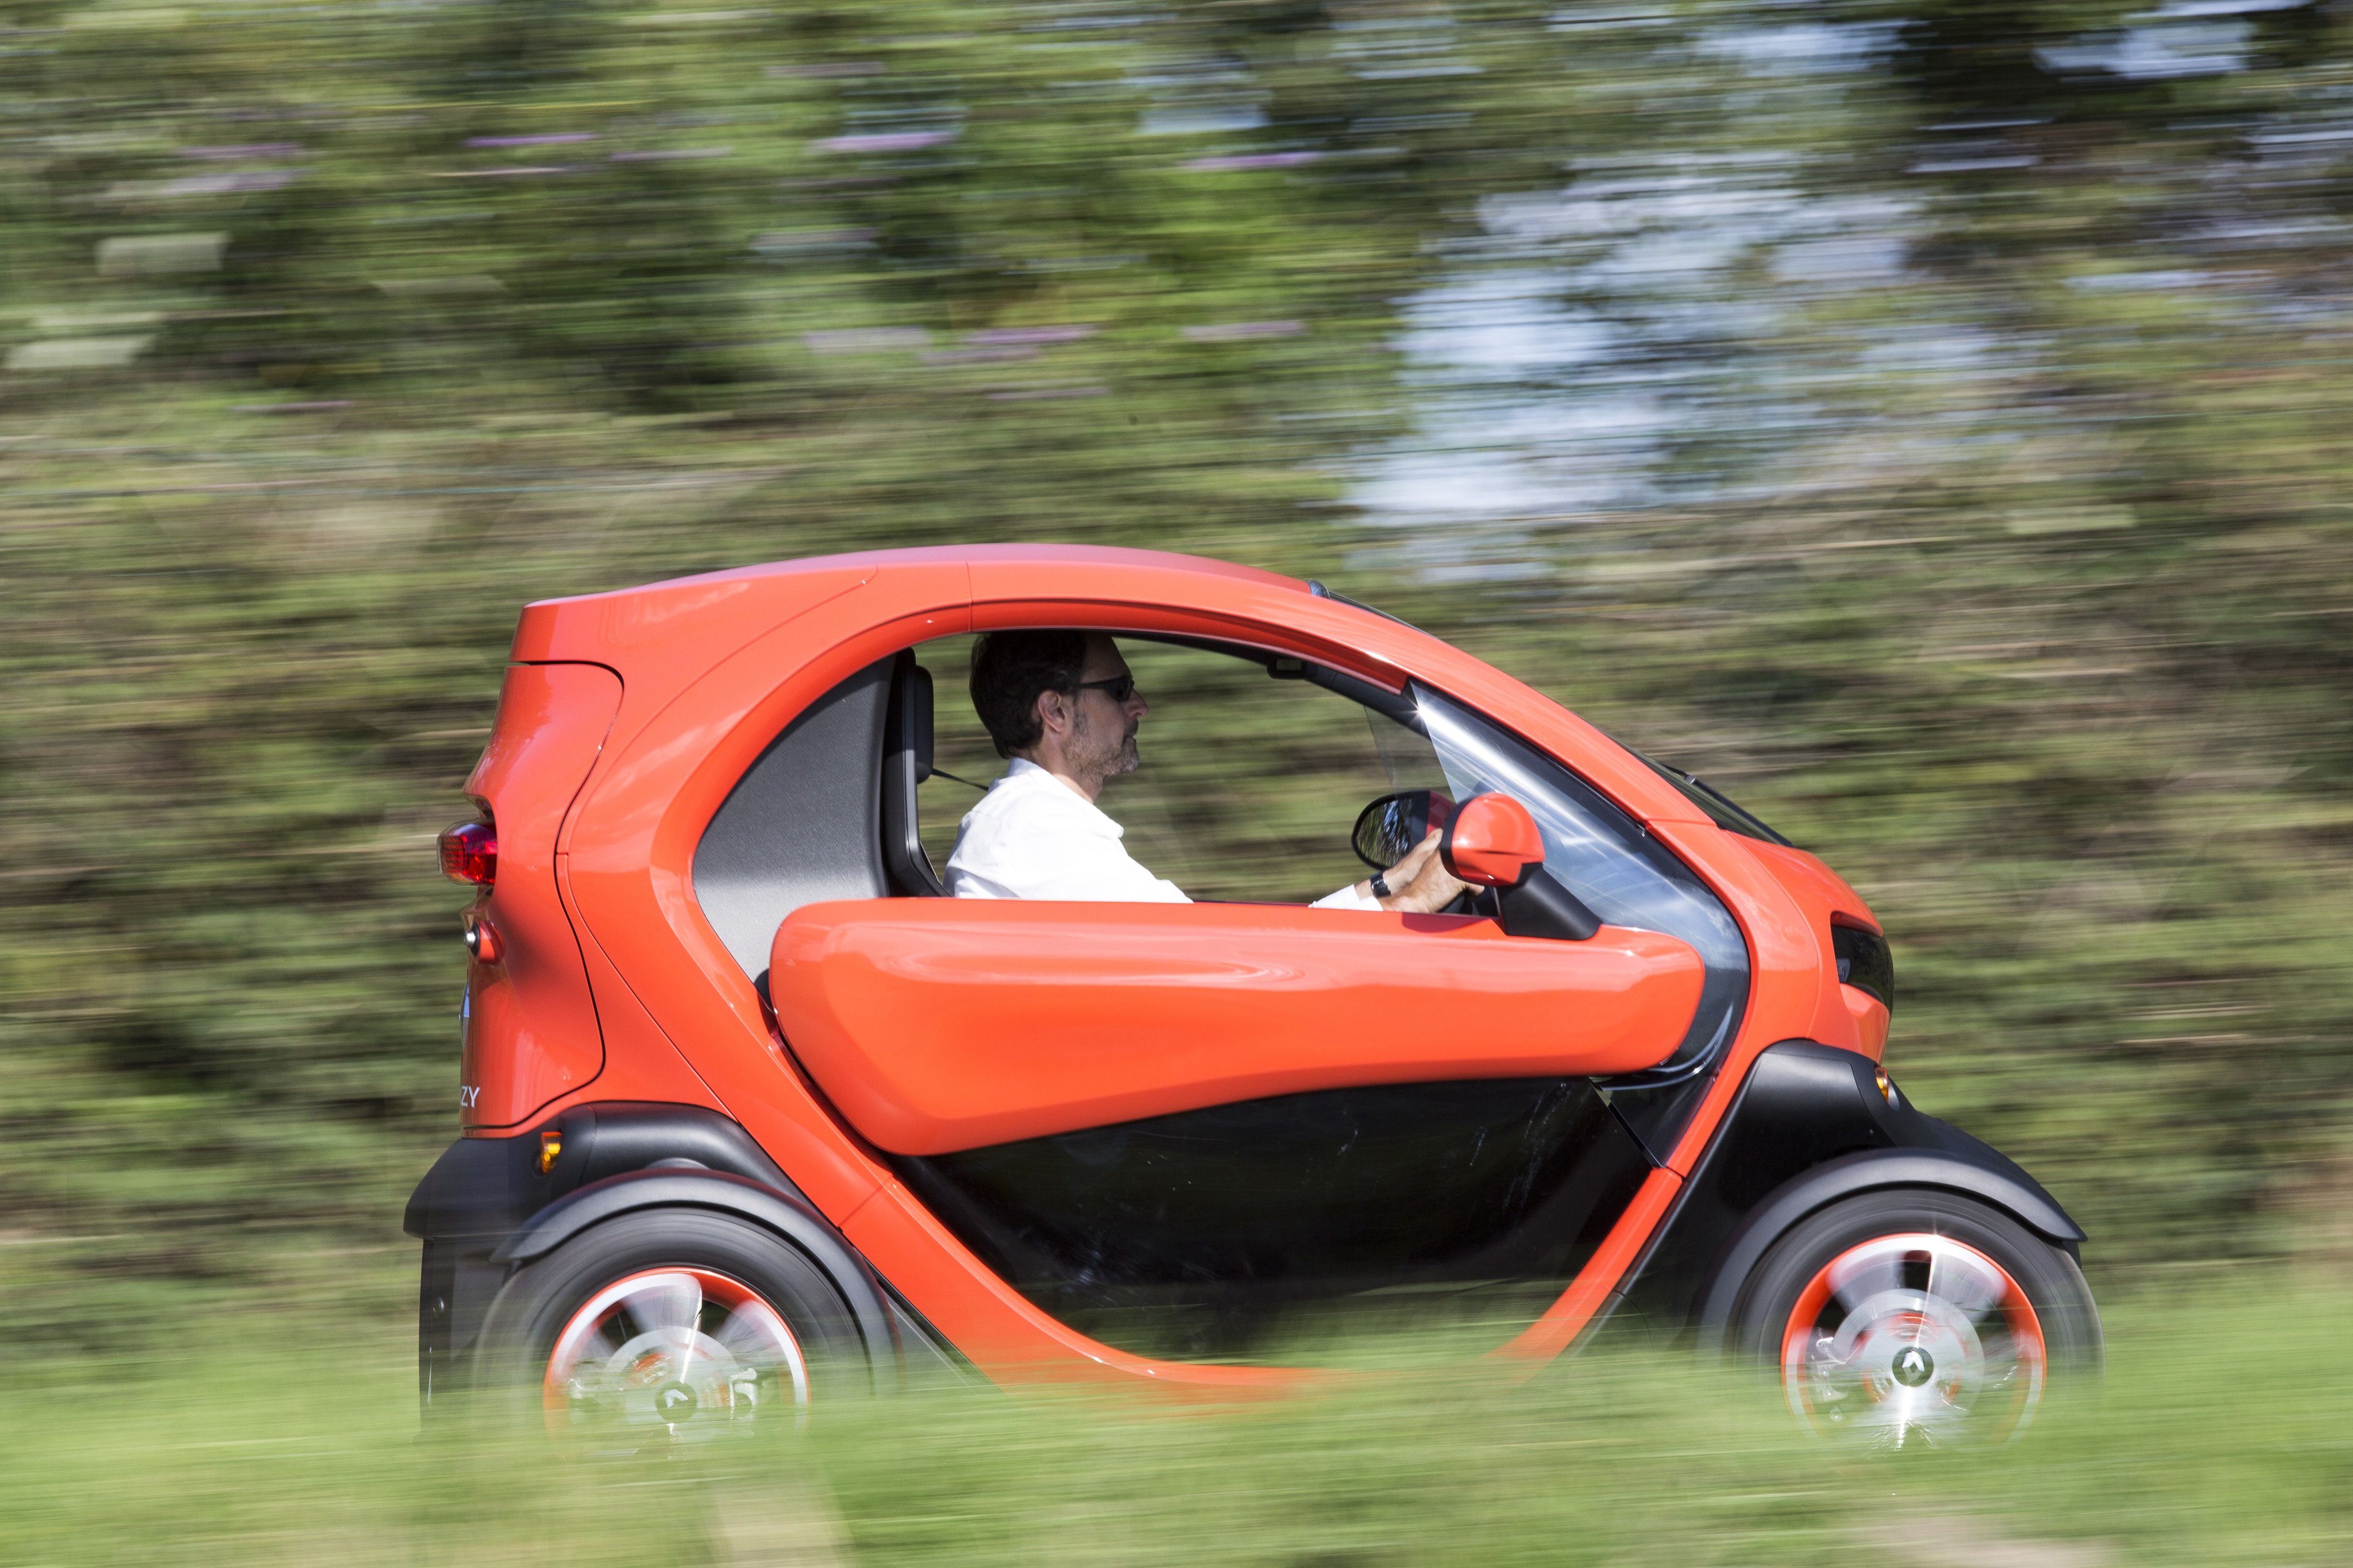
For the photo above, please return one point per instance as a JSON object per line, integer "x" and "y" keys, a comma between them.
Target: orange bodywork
{"x": 935, "y": 1024}
{"x": 1844, "y": 1016}
{"x": 530, "y": 1029}
{"x": 711, "y": 668}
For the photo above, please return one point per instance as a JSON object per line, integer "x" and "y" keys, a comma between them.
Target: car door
{"x": 1178, "y": 1127}
{"x": 1174, "y": 1125}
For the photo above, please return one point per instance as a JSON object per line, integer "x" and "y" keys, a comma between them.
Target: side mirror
{"x": 1393, "y": 825}
{"x": 1492, "y": 842}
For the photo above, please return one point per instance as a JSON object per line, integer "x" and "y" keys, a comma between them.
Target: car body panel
{"x": 530, "y": 1031}
{"x": 937, "y": 1025}
{"x": 1594, "y": 1288}
{"x": 1844, "y": 1016}
{"x": 632, "y": 855}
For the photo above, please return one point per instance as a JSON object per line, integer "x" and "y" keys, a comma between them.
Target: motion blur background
{"x": 1925, "y": 420}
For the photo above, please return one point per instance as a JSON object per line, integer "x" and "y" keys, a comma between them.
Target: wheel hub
{"x": 687, "y": 1351}
{"x": 675, "y": 1402}
{"x": 1912, "y": 1338}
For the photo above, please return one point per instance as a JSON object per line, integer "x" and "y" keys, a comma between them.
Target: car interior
{"x": 838, "y": 807}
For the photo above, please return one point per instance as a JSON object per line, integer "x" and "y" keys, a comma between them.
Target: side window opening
{"x": 1255, "y": 771}
{"x": 803, "y": 824}
{"x": 1254, "y": 767}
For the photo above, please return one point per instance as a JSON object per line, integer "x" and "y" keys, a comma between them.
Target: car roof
{"x": 713, "y": 612}
{"x": 1044, "y": 555}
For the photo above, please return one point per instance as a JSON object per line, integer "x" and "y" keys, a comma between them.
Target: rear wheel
{"x": 671, "y": 1326}
{"x": 1907, "y": 1317}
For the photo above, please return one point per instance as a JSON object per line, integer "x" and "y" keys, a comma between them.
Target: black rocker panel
{"x": 1206, "y": 1232}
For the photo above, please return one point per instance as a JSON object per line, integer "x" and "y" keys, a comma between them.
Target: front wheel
{"x": 1907, "y": 1318}
{"x": 671, "y": 1326}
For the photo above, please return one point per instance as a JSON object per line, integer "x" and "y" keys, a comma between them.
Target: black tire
{"x": 2063, "y": 1313}
{"x": 543, "y": 1298}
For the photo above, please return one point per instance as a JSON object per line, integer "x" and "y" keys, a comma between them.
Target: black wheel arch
{"x": 486, "y": 1208}
{"x": 1850, "y": 1175}
{"x": 1810, "y": 1128}
{"x": 789, "y": 1218}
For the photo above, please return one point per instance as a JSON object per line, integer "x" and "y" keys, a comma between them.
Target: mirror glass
{"x": 1393, "y": 824}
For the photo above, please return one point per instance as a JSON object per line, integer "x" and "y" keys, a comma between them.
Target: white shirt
{"x": 1034, "y": 837}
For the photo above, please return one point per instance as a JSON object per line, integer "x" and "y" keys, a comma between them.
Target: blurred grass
{"x": 2218, "y": 1437}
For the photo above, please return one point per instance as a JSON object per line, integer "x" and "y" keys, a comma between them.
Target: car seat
{"x": 906, "y": 763}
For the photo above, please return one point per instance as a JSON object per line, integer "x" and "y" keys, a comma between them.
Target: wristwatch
{"x": 1381, "y": 886}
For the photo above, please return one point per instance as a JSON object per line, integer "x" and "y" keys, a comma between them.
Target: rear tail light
{"x": 469, "y": 853}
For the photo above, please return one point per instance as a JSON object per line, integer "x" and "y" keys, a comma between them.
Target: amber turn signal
{"x": 1886, "y": 1088}
{"x": 550, "y": 1148}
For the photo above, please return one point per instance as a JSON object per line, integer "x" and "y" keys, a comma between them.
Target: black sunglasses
{"x": 1118, "y": 687}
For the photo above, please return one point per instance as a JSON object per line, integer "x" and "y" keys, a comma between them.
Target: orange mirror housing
{"x": 1492, "y": 842}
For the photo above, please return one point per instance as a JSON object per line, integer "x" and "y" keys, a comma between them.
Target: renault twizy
{"x": 751, "y": 1113}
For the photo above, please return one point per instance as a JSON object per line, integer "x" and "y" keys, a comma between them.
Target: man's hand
{"x": 1420, "y": 884}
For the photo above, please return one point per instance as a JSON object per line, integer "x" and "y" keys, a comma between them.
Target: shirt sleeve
{"x": 1037, "y": 849}
{"x": 1100, "y": 870}
{"x": 1346, "y": 898}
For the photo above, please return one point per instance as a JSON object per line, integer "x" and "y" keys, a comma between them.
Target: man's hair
{"x": 1012, "y": 669}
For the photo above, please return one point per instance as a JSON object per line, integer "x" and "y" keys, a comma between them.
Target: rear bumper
{"x": 483, "y": 1190}
{"x": 480, "y": 1199}
{"x": 476, "y": 1195}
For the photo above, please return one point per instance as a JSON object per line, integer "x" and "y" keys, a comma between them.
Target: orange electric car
{"x": 752, "y": 1114}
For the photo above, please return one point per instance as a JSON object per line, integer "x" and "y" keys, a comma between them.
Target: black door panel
{"x": 1204, "y": 1233}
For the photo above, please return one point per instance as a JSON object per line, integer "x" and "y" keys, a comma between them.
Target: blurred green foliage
{"x": 1958, "y": 478}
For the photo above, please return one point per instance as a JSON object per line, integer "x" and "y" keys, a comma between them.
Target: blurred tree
{"x": 1925, "y": 416}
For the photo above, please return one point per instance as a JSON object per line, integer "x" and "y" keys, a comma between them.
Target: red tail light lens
{"x": 469, "y": 853}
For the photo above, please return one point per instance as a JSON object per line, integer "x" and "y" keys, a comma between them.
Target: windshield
{"x": 1321, "y": 592}
{"x": 1720, "y": 808}
{"x": 1603, "y": 856}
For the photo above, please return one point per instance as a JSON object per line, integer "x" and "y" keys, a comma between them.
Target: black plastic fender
{"x": 1811, "y": 1126}
{"x": 488, "y": 1186}
{"x": 791, "y": 1218}
{"x": 483, "y": 1191}
{"x": 1872, "y": 1170}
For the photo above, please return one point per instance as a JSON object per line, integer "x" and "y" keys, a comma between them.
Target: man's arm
{"x": 1036, "y": 850}
{"x": 1099, "y": 871}
{"x": 1419, "y": 885}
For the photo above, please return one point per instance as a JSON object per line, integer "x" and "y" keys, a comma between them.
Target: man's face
{"x": 1103, "y": 731}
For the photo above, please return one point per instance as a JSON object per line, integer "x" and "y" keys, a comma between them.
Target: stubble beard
{"x": 1107, "y": 761}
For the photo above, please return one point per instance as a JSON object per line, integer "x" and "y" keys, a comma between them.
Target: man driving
{"x": 1061, "y": 706}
